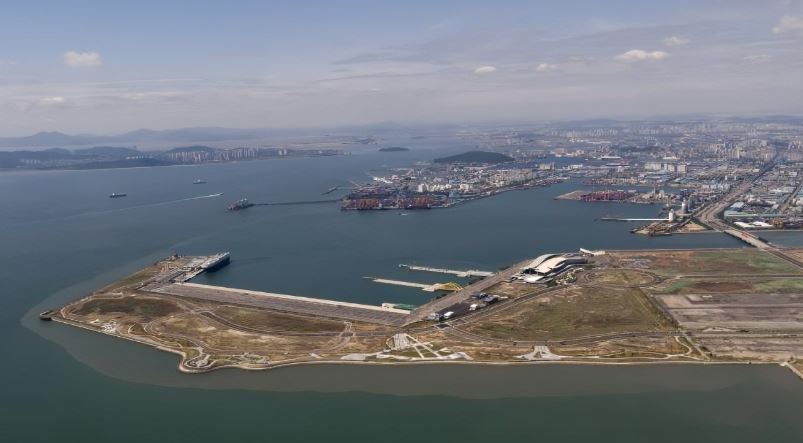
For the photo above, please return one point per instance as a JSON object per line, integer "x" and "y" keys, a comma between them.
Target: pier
{"x": 634, "y": 219}
{"x": 175, "y": 273}
{"x": 424, "y": 287}
{"x": 300, "y": 202}
{"x": 464, "y": 274}
{"x": 286, "y": 303}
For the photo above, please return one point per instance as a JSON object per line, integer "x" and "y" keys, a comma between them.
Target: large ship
{"x": 117, "y": 195}
{"x": 240, "y": 204}
{"x": 216, "y": 262}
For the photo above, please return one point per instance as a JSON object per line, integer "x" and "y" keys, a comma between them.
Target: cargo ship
{"x": 116, "y": 195}
{"x": 216, "y": 262}
{"x": 240, "y": 204}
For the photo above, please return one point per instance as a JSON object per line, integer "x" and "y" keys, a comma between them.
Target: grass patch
{"x": 270, "y": 320}
{"x": 136, "y": 306}
{"x": 782, "y": 286}
{"x": 623, "y": 277}
{"x": 575, "y": 312}
{"x": 220, "y": 337}
{"x": 730, "y": 262}
{"x": 132, "y": 280}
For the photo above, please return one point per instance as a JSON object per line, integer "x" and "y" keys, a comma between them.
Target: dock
{"x": 463, "y": 274}
{"x": 286, "y": 303}
{"x": 633, "y": 219}
{"x": 299, "y": 202}
{"x": 174, "y": 281}
{"x": 423, "y": 286}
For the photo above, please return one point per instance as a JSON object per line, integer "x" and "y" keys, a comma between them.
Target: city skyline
{"x": 95, "y": 68}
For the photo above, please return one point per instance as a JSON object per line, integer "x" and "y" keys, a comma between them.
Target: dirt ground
{"x": 736, "y": 311}
{"x": 782, "y": 285}
{"x": 761, "y": 349}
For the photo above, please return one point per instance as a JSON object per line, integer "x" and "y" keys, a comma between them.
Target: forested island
{"x": 475, "y": 157}
{"x": 394, "y": 149}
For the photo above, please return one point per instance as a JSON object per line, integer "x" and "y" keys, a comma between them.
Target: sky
{"x": 106, "y": 67}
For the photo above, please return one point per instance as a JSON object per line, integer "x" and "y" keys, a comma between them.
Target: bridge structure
{"x": 748, "y": 238}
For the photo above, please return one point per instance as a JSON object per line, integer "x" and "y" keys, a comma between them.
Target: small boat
{"x": 116, "y": 195}
{"x": 199, "y": 182}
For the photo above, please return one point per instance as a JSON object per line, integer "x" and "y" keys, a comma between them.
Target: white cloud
{"x": 546, "y": 67}
{"x": 482, "y": 70}
{"x": 7, "y": 63}
{"x": 639, "y": 55}
{"x": 75, "y": 59}
{"x": 133, "y": 96}
{"x": 56, "y": 100}
{"x": 758, "y": 58}
{"x": 789, "y": 23}
{"x": 676, "y": 40}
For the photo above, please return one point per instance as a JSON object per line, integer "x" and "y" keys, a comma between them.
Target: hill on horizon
{"x": 475, "y": 157}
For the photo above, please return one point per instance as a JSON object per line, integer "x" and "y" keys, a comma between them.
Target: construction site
{"x": 589, "y": 306}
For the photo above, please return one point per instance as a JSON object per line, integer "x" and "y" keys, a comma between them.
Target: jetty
{"x": 450, "y": 286}
{"x": 464, "y": 274}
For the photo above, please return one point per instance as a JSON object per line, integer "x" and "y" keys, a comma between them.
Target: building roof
{"x": 540, "y": 259}
{"x": 548, "y": 265}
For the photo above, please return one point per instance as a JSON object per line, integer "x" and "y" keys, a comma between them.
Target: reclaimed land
{"x": 704, "y": 306}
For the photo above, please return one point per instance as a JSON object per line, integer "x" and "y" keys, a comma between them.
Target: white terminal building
{"x": 549, "y": 265}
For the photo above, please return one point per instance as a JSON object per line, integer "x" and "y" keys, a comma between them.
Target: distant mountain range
{"x": 219, "y": 134}
{"x": 106, "y": 157}
{"x": 197, "y": 135}
{"x": 211, "y": 134}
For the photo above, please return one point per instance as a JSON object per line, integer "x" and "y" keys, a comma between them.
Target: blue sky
{"x": 111, "y": 66}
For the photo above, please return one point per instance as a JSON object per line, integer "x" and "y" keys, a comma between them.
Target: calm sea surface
{"x": 61, "y": 236}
